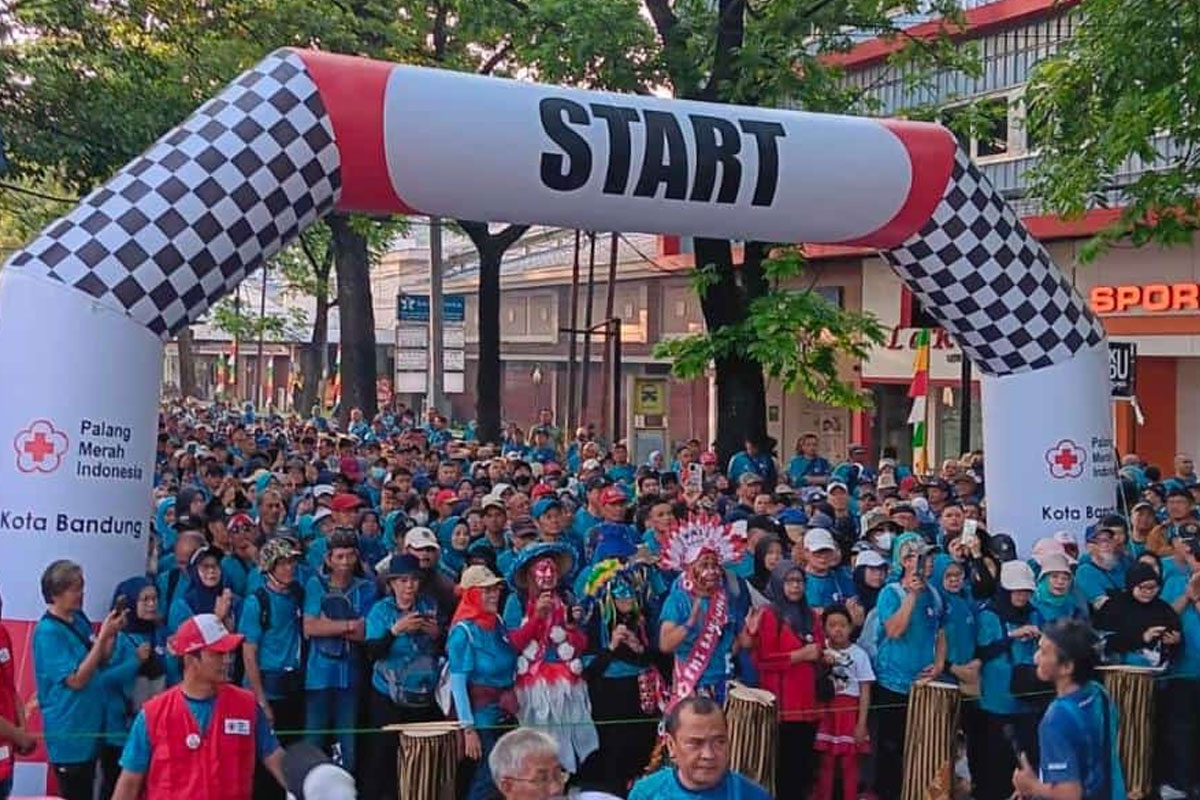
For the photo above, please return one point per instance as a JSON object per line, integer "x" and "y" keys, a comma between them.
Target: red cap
{"x": 345, "y": 502}
{"x": 240, "y": 520}
{"x": 445, "y": 496}
{"x": 551, "y": 468}
{"x": 203, "y": 632}
{"x": 541, "y": 490}
{"x": 908, "y": 483}
{"x": 612, "y": 495}
{"x": 708, "y": 457}
{"x": 350, "y": 467}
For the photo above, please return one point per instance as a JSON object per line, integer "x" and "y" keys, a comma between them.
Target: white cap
{"x": 322, "y": 490}
{"x": 420, "y": 538}
{"x": 320, "y": 514}
{"x": 492, "y": 501}
{"x": 1017, "y": 576}
{"x": 589, "y": 465}
{"x": 1055, "y": 562}
{"x": 870, "y": 558}
{"x": 819, "y": 539}
{"x": 500, "y": 488}
{"x": 836, "y": 485}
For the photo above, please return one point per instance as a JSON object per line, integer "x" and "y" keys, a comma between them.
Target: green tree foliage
{"x": 1118, "y": 94}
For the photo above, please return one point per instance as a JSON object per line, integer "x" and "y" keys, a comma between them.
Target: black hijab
{"x": 761, "y": 579}
{"x": 797, "y": 616}
{"x": 1127, "y": 618}
{"x": 867, "y": 594}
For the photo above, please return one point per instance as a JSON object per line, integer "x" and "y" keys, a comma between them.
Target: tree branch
{"x": 731, "y": 31}
{"x": 664, "y": 18}
{"x": 508, "y": 237}
{"x": 496, "y": 58}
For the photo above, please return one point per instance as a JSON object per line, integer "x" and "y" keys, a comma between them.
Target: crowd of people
{"x": 392, "y": 572}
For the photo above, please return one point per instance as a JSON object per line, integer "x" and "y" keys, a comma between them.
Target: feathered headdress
{"x": 686, "y": 540}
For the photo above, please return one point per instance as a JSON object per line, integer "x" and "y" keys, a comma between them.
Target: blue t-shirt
{"x": 664, "y": 785}
{"x": 996, "y": 673}
{"x": 800, "y": 468}
{"x": 409, "y": 653}
{"x": 118, "y": 681}
{"x": 834, "y": 587}
{"x": 760, "y": 464}
{"x": 279, "y": 646}
{"x": 900, "y": 660}
{"x": 678, "y": 608}
{"x": 325, "y": 671}
{"x": 1094, "y": 582}
{"x": 961, "y": 622}
{"x": 237, "y": 573}
{"x": 57, "y": 653}
{"x": 1075, "y": 748}
{"x": 482, "y": 657}
{"x": 1186, "y": 661}
{"x": 136, "y": 755}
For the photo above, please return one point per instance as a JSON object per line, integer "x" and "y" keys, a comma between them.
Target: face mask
{"x": 884, "y": 540}
{"x": 420, "y": 517}
{"x": 378, "y": 473}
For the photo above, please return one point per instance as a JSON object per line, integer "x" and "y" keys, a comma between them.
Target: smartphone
{"x": 970, "y": 533}
{"x": 120, "y": 604}
{"x": 695, "y": 478}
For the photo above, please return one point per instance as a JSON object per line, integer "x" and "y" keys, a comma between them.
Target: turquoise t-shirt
{"x": 677, "y": 609}
{"x": 118, "y": 681}
{"x": 279, "y": 646}
{"x": 136, "y": 755}
{"x": 67, "y": 712}
{"x": 1186, "y": 662}
{"x": 664, "y": 785}
{"x": 324, "y": 671}
{"x": 996, "y": 673}
{"x": 404, "y": 656}
{"x": 482, "y": 657}
{"x": 900, "y": 660}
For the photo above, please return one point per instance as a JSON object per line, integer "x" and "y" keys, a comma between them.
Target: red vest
{"x": 8, "y": 701}
{"x": 215, "y": 765}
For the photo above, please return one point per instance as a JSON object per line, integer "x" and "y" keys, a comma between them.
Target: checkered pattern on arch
{"x": 183, "y": 224}
{"x": 991, "y": 284}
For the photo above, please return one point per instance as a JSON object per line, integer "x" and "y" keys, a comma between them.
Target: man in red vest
{"x": 14, "y": 738}
{"x": 199, "y": 740}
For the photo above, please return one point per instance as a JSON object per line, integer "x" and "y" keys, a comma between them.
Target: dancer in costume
{"x": 699, "y": 625}
{"x": 551, "y": 693}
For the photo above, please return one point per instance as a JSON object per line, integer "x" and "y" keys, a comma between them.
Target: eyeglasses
{"x": 558, "y": 776}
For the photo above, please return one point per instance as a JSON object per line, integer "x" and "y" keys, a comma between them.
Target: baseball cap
{"x": 904, "y": 508}
{"x": 320, "y": 514}
{"x": 540, "y": 491}
{"x": 421, "y": 538}
{"x": 1095, "y": 530}
{"x": 908, "y": 483}
{"x": 749, "y": 478}
{"x": 1017, "y": 576}
{"x": 322, "y": 490}
{"x": 552, "y": 468}
{"x": 819, "y": 539}
{"x": 1179, "y": 491}
{"x": 708, "y": 457}
{"x": 523, "y": 528}
{"x": 444, "y": 496}
{"x": 492, "y": 501}
{"x": 612, "y": 495}
{"x": 402, "y": 564}
{"x": 478, "y": 575}
{"x": 500, "y": 488}
{"x": 345, "y": 502}
{"x": 590, "y": 465}
{"x": 856, "y": 448}
{"x": 1138, "y": 506}
{"x": 203, "y": 632}
{"x": 545, "y": 504}
{"x": 870, "y": 558}
{"x": 597, "y": 483}
{"x": 829, "y": 489}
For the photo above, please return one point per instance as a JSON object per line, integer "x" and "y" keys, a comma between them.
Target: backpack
{"x": 294, "y": 590}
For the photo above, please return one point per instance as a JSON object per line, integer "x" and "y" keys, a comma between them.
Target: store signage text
{"x": 906, "y": 339}
{"x": 1153, "y": 297}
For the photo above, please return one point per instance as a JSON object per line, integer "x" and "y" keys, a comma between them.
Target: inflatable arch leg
{"x": 85, "y": 308}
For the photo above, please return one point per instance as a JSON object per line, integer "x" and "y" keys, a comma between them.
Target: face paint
{"x": 707, "y": 573}
{"x": 545, "y": 574}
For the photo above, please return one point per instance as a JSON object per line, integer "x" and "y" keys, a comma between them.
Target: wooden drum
{"x": 1132, "y": 693}
{"x": 753, "y": 717}
{"x": 932, "y": 723}
{"x": 428, "y": 755}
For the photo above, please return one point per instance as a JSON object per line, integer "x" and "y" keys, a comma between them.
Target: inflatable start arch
{"x": 84, "y": 310}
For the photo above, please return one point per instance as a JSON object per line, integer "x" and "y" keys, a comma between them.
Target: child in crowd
{"x": 842, "y": 735}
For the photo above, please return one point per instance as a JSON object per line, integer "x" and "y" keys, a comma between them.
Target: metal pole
{"x": 964, "y": 433}
{"x": 616, "y": 380}
{"x": 587, "y": 330}
{"x": 433, "y": 395}
{"x": 262, "y": 329}
{"x": 608, "y": 315}
{"x": 570, "y": 423}
{"x": 237, "y": 350}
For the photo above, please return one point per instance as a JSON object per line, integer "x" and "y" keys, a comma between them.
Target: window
{"x": 983, "y": 128}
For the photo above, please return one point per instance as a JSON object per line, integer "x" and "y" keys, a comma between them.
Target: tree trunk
{"x": 741, "y": 390}
{"x": 491, "y": 248}
{"x": 352, "y": 262}
{"x": 312, "y": 358}
{"x": 187, "y": 363}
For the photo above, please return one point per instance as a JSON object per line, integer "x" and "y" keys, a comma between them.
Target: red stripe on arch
{"x": 353, "y": 91}
{"x": 931, "y": 155}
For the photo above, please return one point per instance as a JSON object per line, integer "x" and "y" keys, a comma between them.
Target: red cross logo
{"x": 1066, "y": 459}
{"x": 40, "y": 447}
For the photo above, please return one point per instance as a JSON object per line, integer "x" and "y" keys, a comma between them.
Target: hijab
{"x": 1048, "y": 599}
{"x": 202, "y": 599}
{"x": 761, "y": 578}
{"x": 868, "y": 595}
{"x": 452, "y": 562}
{"x": 470, "y": 609}
{"x": 902, "y": 543}
{"x": 130, "y": 589}
{"x": 796, "y": 615}
{"x": 1002, "y": 604}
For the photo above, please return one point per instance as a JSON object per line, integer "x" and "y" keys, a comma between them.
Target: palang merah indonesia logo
{"x": 40, "y": 447}
{"x": 1066, "y": 459}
